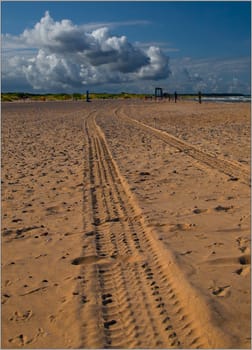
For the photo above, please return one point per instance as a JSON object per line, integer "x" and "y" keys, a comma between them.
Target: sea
{"x": 227, "y": 98}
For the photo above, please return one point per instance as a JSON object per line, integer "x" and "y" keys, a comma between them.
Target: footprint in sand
{"x": 5, "y": 298}
{"x": 186, "y": 252}
{"x": 243, "y": 271}
{"x": 182, "y": 227}
{"x": 21, "y": 316}
{"x": 215, "y": 244}
{"x": 245, "y": 259}
{"x": 222, "y": 208}
{"x": 243, "y": 244}
{"x": 199, "y": 211}
{"x": 221, "y": 291}
{"x": 20, "y": 340}
{"x": 52, "y": 318}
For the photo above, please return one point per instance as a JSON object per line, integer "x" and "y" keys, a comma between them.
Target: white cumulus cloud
{"x": 59, "y": 55}
{"x": 216, "y": 75}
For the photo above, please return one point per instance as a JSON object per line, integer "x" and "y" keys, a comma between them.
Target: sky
{"x": 67, "y": 46}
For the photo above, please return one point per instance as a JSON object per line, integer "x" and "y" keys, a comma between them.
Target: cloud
{"x": 165, "y": 46}
{"x": 59, "y": 55}
{"x": 210, "y": 75}
{"x": 117, "y": 52}
{"x": 112, "y": 25}
{"x": 158, "y": 67}
{"x": 191, "y": 77}
{"x": 62, "y": 56}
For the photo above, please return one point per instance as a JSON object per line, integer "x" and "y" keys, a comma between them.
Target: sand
{"x": 125, "y": 224}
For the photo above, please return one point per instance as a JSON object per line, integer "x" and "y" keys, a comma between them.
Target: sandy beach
{"x": 126, "y": 224}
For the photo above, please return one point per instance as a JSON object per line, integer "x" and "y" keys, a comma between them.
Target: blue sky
{"x": 178, "y": 45}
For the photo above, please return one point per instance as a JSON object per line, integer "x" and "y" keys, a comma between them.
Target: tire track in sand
{"x": 234, "y": 170}
{"x": 132, "y": 293}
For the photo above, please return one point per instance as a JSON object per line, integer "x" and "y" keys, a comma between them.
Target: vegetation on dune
{"x": 22, "y": 96}
{"x": 16, "y": 96}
